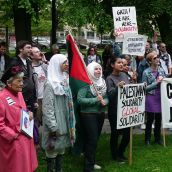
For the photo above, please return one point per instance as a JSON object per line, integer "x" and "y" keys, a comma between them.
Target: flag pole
{"x": 131, "y": 146}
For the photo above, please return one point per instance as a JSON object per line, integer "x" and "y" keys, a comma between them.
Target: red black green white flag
{"x": 77, "y": 69}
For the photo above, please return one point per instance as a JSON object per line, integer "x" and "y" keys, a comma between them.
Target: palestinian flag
{"x": 77, "y": 69}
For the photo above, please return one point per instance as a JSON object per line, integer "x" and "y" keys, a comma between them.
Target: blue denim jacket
{"x": 150, "y": 79}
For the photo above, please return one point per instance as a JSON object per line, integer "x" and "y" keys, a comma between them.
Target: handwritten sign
{"x": 134, "y": 45}
{"x": 166, "y": 102}
{"x": 131, "y": 105}
{"x": 125, "y": 22}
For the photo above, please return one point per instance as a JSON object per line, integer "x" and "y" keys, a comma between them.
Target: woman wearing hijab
{"x": 58, "y": 113}
{"x": 93, "y": 101}
{"x": 17, "y": 151}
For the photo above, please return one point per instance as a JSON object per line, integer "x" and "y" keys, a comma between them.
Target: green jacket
{"x": 89, "y": 103}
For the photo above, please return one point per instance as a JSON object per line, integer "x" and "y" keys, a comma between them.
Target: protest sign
{"x": 134, "y": 45}
{"x": 166, "y": 102}
{"x": 125, "y": 22}
{"x": 131, "y": 105}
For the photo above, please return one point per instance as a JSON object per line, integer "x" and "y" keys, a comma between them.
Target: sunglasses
{"x": 155, "y": 57}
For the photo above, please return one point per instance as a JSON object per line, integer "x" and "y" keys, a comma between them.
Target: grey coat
{"x": 54, "y": 119}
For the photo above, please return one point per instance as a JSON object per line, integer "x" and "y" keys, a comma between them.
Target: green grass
{"x": 153, "y": 158}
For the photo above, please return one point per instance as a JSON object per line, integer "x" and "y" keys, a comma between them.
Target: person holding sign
{"x": 17, "y": 151}
{"x": 93, "y": 101}
{"x": 153, "y": 76}
{"x": 117, "y": 79}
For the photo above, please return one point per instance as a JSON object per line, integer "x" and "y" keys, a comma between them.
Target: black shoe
{"x": 158, "y": 142}
{"x": 147, "y": 142}
{"x": 121, "y": 159}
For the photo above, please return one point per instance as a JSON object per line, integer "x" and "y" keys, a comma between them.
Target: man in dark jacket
{"x": 23, "y": 51}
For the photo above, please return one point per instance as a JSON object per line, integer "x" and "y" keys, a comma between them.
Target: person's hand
{"x": 30, "y": 115}
{"x": 99, "y": 97}
{"x": 159, "y": 79}
{"x": 36, "y": 105}
{"x": 103, "y": 103}
{"x": 121, "y": 83}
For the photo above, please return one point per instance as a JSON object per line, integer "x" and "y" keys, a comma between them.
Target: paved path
{"x": 136, "y": 130}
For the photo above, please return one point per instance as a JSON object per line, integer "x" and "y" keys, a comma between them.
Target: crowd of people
{"x": 39, "y": 84}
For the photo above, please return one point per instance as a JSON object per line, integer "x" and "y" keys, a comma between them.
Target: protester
{"x": 54, "y": 50}
{"x": 23, "y": 51}
{"x": 93, "y": 101}
{"x": 165, "y": 59}
{"x": 58, "y": 130}
{"x": 92, "y": 56}
{"x": 117, "y": 78}
{"x": 5, "y": 60}
{"x": 153, "y": 76}
{"x": 17, "y": 151}
{"x": 40, "y": 68}
{"x": 106, "y": 56}
{"x": 132, "y": 76}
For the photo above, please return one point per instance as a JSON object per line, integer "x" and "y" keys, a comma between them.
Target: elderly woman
{"x": 17, "y": 151}
{"x": 58, "y": 113}
{"x": 93, "y": 101}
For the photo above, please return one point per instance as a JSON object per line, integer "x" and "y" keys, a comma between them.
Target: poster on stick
{"x": 131, "y": 105}
{"x": 134, "y": 45}
{"x": 125, "y": 22}
{"x": 166, "y": 102}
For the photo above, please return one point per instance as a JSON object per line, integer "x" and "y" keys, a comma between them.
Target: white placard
{"x": 131, "y": 105}
{"x": 125, "y": 22}
{"x": 166, "y": 102}
{"x": 26, "y": 125}
{"x": 134, "y": 45}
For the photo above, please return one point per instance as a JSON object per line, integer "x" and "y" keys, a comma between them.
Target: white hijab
{"x": 99, "y": 82}
{"x": 55, "y": 75}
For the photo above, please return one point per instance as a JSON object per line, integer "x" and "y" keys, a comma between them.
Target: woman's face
{"x": 118, "y": 65}
{"x": 97, "y": 71}
{"x": 155, "y": 60}
{"x": 65, "y": 66}
{"x": 16, "y": 84}
{"x": 125, "y": 65}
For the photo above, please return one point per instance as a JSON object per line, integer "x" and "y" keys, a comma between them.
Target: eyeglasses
{"x": 163, "y": 47}
{"x": 91, "y": 50}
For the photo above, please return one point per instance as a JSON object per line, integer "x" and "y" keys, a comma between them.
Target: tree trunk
{"x": 165, "y": 29}
{"x": 54, "y": 23}
{"x": 22, "y": 23}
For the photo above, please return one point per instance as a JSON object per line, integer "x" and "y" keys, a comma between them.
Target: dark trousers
{"x": 118, "y": 149}
{"x": 92, "y": 126}
{"x": 151, "y": 117}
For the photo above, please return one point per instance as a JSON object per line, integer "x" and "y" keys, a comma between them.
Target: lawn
{"x": 153, "y": 158}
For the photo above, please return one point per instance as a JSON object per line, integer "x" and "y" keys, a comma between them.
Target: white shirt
{"x": 41, "y": 80}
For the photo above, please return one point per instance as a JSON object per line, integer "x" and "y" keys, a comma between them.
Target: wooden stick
{"x": 163, "y": 133}
{"x": 131, "y": 145}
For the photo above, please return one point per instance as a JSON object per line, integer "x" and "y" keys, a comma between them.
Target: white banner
{"x": 166, "y": 102}
{"x": 125, "y": 22}
{"x": 131, "y": 105}
{"x": 134, "y": 45}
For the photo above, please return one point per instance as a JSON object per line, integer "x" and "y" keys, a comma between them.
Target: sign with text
{"x": 125, "y": 22}
{"x": 166, "y": 102}
{"x": 131, "y": 105}
{"x": 134, "y": 45}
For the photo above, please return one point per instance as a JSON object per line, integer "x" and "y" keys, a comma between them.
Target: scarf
{"x": 60, "y": 83}
{"x": 98, "y": 83}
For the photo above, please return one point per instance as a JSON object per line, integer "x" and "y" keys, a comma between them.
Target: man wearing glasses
{"x": 165, "y": 59}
